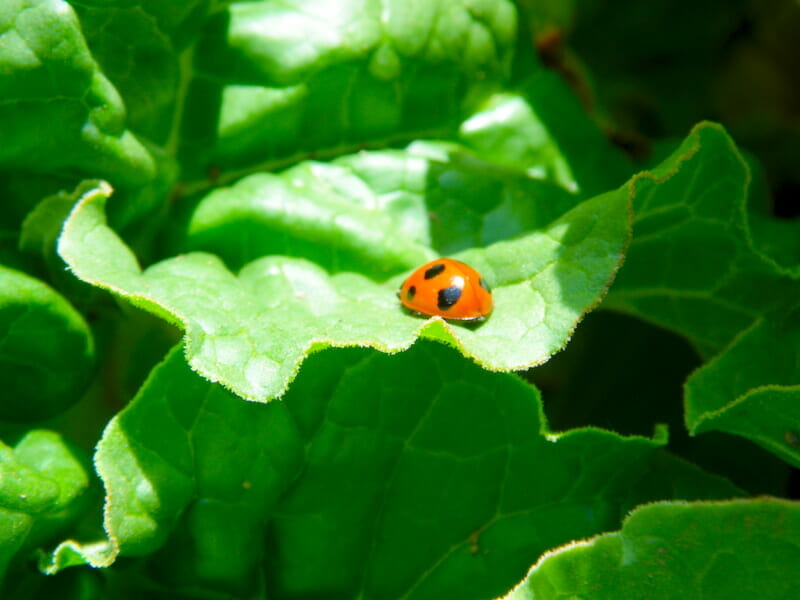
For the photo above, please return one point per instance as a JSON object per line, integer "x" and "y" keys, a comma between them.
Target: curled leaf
{"x": 250, "y": 331}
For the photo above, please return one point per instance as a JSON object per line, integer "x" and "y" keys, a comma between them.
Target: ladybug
{"x": 447, "y": 288}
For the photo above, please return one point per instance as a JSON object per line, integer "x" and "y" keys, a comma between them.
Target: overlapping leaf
{"x": 251, "y": 331}
{"x": 42, "y": 488}
{"x": 138, "y": 46}
{"x": 59, "y": 112}
{"x": 649, "y": 390}
{"x": 753, "y": 388}
{"x": 321, "y": 212}
{"x": 507, "y": 131}
{"x": 46, "y": 349}
{"x": 280, "y": 79}
{"x": 736, "y": 550}
{"x": 544, "y": 131}
{"x": 375, "y": 213}
{"x": 418, "y": 476}
{"x": 692, "y": 266}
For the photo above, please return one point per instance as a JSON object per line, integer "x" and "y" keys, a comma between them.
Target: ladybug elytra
{"x": 447, "y": 288}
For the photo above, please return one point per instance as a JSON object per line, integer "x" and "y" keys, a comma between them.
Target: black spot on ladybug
{"x": 448, "y": 296}
{"x": 485, "y": 285}
{"x": 411, "y": 292}
{"x": 434, "y": 271}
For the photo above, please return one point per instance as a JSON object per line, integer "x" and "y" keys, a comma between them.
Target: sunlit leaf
{"x": 251, "y": 331}
{"x": 736, "y": 550}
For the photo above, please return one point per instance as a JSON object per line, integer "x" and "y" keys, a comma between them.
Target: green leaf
{"x": 42, "y": 490}
{"x": 138, "y": 47}
{"x": 595, "y": 163}
{"x": 583, "y": 386}
{"x": 543, "y": 130}
{"x": 188, "y": 449}
{"x": 23, "y": 190}
{"x": 42, "y": 225}
{"x": 505, "y": 130}
{"x": 295, "y": 77}
{"x": 734, "y": 550}
{"x": 278, "y": 167}
{"x": 776, "y": 238}
{"x": 752, "y": 389}
{"x": 38, "y": 237}
{"x": 692, "y": 266}
{"x": 348, "y": 474}
{"x": 698, "y": 199}
{"x": 321, "y": 212}
{"x": 252, "y": 331}
{"x": 376, "y": 213}
{"x": 46, "y": 349}
{"x": 59, "y": 112}
{"x": 470, "y": 202}
{"x": 187, "y": 441}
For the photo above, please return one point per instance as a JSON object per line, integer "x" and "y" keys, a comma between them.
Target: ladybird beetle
{"x": 447, "y": 288}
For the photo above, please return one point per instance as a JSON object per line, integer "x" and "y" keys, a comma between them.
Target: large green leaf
{"x": 649, "y": 390}
{"x": 375, "y": 213}
{"x": 38, "y": 237}
{"x": 251, "y": 331}
{"x": 277, "y": 79}
{"x": 418, "y": 475}
{"x": 506, "y": 130}
{"x": 46, "y": 349}
{"x": 59, "y": 112}
{"x": 63, "y": 119}
{"x": 775, "y": 237}
{"x": 734, "y": 550}
{"x": 753, "y": 388}
{"x": 596, "y": 164}
{"x": 321, "y": 212}
{"x": 139, "y": 48}
{"x": 470, "y": 202}
{"x": 42, "y": 489}
{"x": 692, "y": 265}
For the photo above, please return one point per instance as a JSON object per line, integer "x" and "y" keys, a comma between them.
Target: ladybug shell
{"x": 449, "y": 289}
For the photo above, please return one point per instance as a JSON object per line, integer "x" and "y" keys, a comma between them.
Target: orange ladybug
{"x": 447, "y": 288}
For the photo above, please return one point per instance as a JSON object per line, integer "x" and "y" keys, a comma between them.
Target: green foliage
{"x": 298, "y": 77}
{"x": 46, "y": 349}
{"x": 45, "y": 57}
{"x": 250, "y": 332}
{"x": 752, "y": 390}
{"x": 259, "y": 178}
{"x": 692, "y": 209}
{"x": 189, "y": 460}
{"x": 44, "y": 488}
{"x": 712, "y": 550}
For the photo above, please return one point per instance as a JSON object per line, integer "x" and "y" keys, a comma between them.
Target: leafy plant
{"x": 211, "y": 389}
